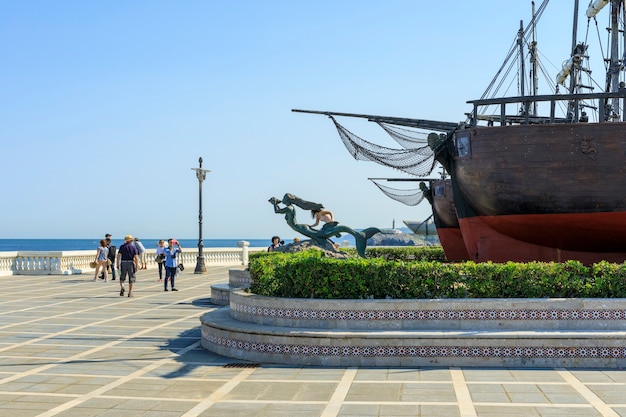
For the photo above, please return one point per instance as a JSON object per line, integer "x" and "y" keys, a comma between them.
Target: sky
{"x": 107, "y": 106}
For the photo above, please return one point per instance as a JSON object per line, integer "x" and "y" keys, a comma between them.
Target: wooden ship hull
{"x": 546, "y": 192}
{"x": 440, "y": 196}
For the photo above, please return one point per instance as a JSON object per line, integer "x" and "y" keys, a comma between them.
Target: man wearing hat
{"x": 129, "y": 258}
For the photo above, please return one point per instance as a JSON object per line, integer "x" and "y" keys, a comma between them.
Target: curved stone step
{"x": 220, "y": 294}
{"x": 239, "y": 278}
{"x": 411, "y": 348}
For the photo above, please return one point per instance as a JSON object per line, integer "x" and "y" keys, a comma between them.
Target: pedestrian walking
{"x": 111, "y": 256}
{"x": 142, "y": 253}
{"x": 101, "y": 260}
{"x": 171, "y": 262}
{"x": 127, "y": 263}
{"x": 160, "y": 257}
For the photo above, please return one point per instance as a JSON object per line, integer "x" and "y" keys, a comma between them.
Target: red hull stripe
{"x": 452, "y": 242}
{"x": 588, "y": 238}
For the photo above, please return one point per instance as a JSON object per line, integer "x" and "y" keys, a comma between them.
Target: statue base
{"x": 328, "y": 248}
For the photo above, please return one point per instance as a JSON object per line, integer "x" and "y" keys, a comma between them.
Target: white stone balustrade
{"x": 77, "y": 262}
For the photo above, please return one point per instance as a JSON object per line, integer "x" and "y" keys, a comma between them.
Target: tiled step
{"x": 220, "y": 294}
{"x": 237, "y": 279}
{"x": 411, "y": 348}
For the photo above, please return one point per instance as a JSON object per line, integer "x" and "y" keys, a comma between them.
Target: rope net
{"x": 407, "y": 138}
{"x": 417, "y": 161}
{"x": 408, "y": 197}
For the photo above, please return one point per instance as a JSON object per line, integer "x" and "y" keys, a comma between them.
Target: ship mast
{"x": 520, "y": 43}
{"x": 572, "y": 80}
{"x": 614, "y": 61}
{"x": 571, "y": 68}
{"x": 533, "y": 61}
{"x": 612, "y": 75}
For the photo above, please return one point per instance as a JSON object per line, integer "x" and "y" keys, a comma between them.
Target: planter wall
{"x": 468, "y": 332}
{"x": 451, "y": 314}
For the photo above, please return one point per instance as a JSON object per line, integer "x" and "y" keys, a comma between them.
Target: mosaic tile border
{"x": 239, "y": 278}
{"x": 239, "y": 282}
{"x": 218, "y": 294}
{"x": 373, "y": 351}
{"x": 410, "y": 314}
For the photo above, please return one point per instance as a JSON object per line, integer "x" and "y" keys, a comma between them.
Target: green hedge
{"x": 312, "y": 275}
{"x": 403, "y": 253}
{"x": 422, "y": 253}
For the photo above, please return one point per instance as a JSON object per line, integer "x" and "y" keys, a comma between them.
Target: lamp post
{"x": 201, "y": 175}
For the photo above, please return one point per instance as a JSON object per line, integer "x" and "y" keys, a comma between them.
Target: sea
{"x": 24, "y": 245}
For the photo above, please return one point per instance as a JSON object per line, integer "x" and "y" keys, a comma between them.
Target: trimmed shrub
{"x": 311, "y": 274}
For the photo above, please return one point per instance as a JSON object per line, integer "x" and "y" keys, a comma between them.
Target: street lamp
{"x": 201, "y": 175}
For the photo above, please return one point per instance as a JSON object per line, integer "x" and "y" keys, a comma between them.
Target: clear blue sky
{"x": 106, "y": 105}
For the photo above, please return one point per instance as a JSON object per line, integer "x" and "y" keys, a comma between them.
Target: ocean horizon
{"x": 47, "y": 245}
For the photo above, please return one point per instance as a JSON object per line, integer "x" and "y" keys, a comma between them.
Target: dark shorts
{"x": 127, "y": 268}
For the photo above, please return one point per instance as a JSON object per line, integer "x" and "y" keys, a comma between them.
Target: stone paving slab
{"x": 73, "y": 347}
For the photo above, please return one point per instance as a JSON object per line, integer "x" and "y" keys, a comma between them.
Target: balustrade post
{"x": 244, "y": 251}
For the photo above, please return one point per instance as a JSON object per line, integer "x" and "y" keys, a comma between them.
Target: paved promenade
{"x": 72, "y": 347}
